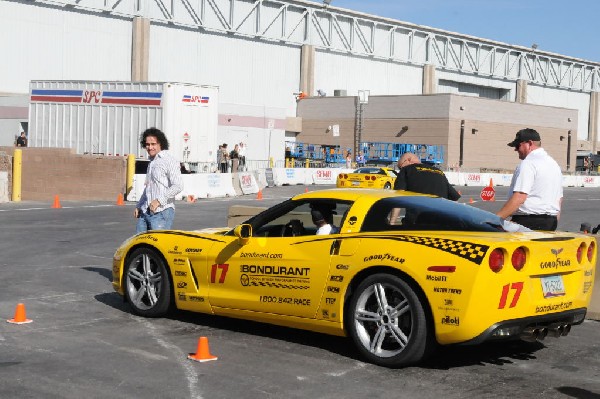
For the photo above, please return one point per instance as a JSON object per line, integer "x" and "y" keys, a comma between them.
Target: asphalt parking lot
{"x": 84, "y": 342}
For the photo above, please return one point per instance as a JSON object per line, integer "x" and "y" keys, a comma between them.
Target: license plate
{"x": 553, "y": 286}
{"x": 356, "y": 183}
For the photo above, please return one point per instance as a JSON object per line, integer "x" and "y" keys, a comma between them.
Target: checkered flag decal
{"x": 467, "y": 250}
{"x": 278, "y": 285}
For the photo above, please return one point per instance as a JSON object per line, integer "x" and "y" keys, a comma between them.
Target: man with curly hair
{"x": 156, "y": 208}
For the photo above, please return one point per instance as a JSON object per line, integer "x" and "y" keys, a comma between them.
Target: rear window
{"x": 428, "y": 213}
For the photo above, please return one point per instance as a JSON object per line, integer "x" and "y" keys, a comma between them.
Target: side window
{"x": 295, "y": 219}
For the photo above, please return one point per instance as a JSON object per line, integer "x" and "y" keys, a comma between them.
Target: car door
{"x": 273, "y": 272}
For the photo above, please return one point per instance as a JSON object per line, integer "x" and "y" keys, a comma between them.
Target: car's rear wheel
{"x": 387, "y": 322}
{"x": 147, "y": 283}
{"x": 387, "y": 186}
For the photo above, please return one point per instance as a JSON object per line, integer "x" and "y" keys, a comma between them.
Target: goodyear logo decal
{"x": 467, "y": 250}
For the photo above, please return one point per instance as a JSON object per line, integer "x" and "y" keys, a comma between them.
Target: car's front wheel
{"x": 387, "y": 322}
{"x": 147, "y": 283}
{"x": 387, "y": 186}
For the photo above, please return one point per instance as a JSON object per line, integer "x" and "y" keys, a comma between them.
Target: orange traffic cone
{"x": 471, "y": 200}
{"x": 459, "y": 193}
{"x": 259, "y": 195}
{"x": 20, "y": 316}
{"x": 202, "y": 352}
{"x": 191, "y": 198}
{"x": 491, "y": 182}
{"x": 305, "y": 189}
{"x": 120, "y": 200}
{"x": 56, "y": 203}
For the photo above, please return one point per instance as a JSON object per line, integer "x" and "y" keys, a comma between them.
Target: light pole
{"x": 361, "y": 100}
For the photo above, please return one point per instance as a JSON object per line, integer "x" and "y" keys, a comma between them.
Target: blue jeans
{"x": 155, "y": 221}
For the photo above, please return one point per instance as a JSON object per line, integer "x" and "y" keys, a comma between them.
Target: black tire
{"x": 381, "y": 334}
{"x": 147, "y": 283}
{"x": 387, "y": 186}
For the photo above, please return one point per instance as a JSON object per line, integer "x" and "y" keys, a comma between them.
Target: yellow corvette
{"x": 403, "y": 273}
{"x": 367, "y": 177}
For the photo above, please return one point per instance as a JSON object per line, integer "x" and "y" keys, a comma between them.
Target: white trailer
{"x": 109, "y": 117}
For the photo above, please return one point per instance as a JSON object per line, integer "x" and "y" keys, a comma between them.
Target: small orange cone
{"x": 20, "y": 316}
{"x": 202, "y": 352}
{"x": 306, "y": 189}
{"x": 120, "y": 200}
{"x": 259, "y": 195}
{"x": 191, "y": 198}
{"x": 459, "y": 193}
{"x": 471, "y": 200}
{"x": 56, "y": 203}
{"x": 491, "y": 182}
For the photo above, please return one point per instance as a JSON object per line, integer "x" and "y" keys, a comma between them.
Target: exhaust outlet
{"x": 556, "y": 330}
{"x": 529, "y": 334}
{"x": 566, "y": 330}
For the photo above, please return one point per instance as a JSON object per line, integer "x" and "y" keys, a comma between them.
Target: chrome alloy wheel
{"x": 147, "y": 283}
{"x": 383, "y": 320}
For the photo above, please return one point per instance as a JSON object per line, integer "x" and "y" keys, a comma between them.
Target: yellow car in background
{"x": 367, "y": 177}
{"x": 404, "y": 272}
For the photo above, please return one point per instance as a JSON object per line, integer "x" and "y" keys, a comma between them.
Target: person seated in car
{"x": 324, "y": 222}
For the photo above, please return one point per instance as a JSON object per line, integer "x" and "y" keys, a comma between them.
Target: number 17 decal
{"x": 213, "y": 273}
{"x": 518, "y": 287}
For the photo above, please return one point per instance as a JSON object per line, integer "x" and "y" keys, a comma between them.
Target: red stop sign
{"x": 488, "y": 193}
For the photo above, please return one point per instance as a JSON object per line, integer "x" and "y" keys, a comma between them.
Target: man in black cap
{"x": 535, "y": 193}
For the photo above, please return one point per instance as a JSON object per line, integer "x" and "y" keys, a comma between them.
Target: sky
{"x": 570, "y": 28}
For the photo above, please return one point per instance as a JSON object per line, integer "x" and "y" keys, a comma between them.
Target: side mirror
{"x": 243, "y": 232}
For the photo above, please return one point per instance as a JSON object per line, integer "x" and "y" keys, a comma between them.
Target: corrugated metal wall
{"x": 43, "y": 42}
{"x": 246, "y": 71}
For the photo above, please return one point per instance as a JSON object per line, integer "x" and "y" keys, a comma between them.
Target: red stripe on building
{"x": 132, "y": 101}
{"x": 56, "y": 99}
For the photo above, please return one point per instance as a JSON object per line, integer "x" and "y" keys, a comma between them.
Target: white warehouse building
{"x": 262, "y": 53}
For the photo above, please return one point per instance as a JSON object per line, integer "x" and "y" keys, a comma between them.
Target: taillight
{"x": 341, "y": 176}
{"x": 496, "y": 260}
{"x": 580, "y": 252}
{"x": 518, "y": 258}
{"x": 591, "y": 250}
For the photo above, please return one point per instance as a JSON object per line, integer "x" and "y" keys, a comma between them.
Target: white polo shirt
{"x": 540, "y": 177}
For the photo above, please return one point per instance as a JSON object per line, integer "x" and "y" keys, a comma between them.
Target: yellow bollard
{"x": 130, "y": 173}
{"x": 307, "y": 164}
{"x": 271, "y": 162}
{"x": 17, "y": 173}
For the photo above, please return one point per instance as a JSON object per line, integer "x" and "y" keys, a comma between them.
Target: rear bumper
{"x": 514, "y": 329}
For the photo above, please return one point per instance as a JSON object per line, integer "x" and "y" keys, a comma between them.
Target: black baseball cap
{"x": 525, "y": 135}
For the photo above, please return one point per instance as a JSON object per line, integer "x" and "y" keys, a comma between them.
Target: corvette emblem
{"x": 556, "y": 252}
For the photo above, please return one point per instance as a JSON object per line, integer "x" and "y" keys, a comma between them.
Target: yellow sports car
{"x": 401, "y": 273}
{"x": 367, "y": 177}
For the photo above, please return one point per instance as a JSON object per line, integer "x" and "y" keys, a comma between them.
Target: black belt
{"x": 533, "y": 216}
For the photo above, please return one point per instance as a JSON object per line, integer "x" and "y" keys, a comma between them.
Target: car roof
{"x": 352, "y": 194}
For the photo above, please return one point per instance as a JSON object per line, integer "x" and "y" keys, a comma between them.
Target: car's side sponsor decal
{"x": 196, "y": 236}
{"x": 467, "y": 250}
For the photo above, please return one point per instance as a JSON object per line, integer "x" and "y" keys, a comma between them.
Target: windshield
{"x": 429, "y": 213}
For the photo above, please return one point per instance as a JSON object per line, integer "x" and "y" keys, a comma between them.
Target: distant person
{"x": 360, "y": 159}
{"x": 155, "y": 209}
{"x": 349, "y": 160}
{"x": 421, "y": 178}
{"x": 535, "y": 193}
{"x": 224, "y": 160}
{"x": 22, "y": 140}
{"x": 234, "y": 155}
{"x": 242, "y": 154}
